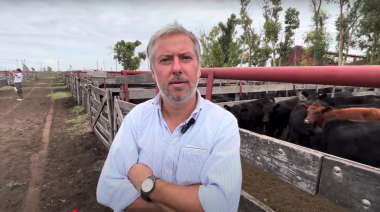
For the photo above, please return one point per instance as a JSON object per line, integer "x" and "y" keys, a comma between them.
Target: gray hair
{"x": 175, "y": 28}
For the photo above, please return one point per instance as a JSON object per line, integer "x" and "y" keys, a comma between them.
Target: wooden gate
{"x": 101, "y": 114}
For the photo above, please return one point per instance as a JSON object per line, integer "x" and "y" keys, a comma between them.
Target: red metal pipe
{"x": 360, "y": 76}
{"x": 126, "y": 90}
{"x": 210, "y": 84}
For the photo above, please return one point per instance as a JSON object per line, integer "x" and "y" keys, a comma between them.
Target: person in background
{"x": 18, "y": 83}
{"x": 177, "y": 151}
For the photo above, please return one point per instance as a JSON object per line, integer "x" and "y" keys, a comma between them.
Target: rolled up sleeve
{"x": 221, "y": 176}
{"x": 114, "y": 189}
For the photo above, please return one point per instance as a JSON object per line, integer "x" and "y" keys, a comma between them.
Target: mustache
{"x": 178, "y": 80}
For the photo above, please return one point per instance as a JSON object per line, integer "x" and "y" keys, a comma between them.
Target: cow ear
{"x": 227, "y": 107}
{"x": 327, "y": 109}
{"x": 303, "y": 105}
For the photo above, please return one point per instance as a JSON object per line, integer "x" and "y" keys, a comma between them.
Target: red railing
{"x": 359, "y": 76}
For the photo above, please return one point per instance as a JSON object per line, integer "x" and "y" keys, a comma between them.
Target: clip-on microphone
{"x": 187, "y": 125}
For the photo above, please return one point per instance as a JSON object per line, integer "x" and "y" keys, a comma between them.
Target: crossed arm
{"x": 121, "y": 177}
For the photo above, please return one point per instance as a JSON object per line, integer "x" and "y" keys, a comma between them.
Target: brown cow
{"x": 319, "y": 115}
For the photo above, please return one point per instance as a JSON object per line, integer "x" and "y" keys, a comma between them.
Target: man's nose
{"x": 177, "y": 66}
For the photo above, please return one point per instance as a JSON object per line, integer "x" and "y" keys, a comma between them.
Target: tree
{"x": 49, "y": 69}
{"x": 369, "y": 32}
{"x": 212, "y": 55}
{"x": 125, "y": 54}
{"x": 318, "y": 39}
{"x": 292, "y": 22}
{"x": 24, "y": 67}
{"x": 226, "y": 40}
{"x": 220, "y": 46}
{"x": 33, "y": 69}
{"x": 272, "y": 25}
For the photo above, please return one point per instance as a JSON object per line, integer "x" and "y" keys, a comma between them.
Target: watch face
{"x": 147, "y": 185}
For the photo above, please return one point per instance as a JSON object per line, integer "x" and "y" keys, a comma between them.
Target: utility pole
{"x": 97, "y": 65}
{"x": 104, "y": 65}
{"x": 17, "y": 62}
{"x": 58, "y": 64}
{"x": 116, "y": 64}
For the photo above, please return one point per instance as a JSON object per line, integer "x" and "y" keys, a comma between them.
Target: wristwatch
{"x": 147, "y": 186}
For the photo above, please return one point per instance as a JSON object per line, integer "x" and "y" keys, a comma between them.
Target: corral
{"x": 278, "y": 175}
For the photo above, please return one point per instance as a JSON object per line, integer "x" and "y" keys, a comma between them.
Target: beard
{"x": 177, "y": 97}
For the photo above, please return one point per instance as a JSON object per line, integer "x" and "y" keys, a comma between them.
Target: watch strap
{"x": 144, "y": 195}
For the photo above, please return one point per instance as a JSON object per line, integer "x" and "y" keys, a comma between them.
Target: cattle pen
{"x": 108, "y": 97}
{"x": 346, "y": 183}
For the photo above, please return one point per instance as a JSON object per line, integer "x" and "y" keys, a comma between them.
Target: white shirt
{"x": 18, "y": 78}
{"x": 208, "y": 153}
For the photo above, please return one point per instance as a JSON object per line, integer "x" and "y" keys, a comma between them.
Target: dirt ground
{"x": 46, "y": 167}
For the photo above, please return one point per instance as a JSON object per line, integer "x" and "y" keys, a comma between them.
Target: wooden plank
{"x": 136, "y": 79}
{"x": 102, "y": 139}
{"x": 104, "y": 131}
{"x": 100, "y": 110}
{"x": 126, "y": 106}
{"x": 248, "y": 204}
{"x": 110, "y": 116}
{"x": 349, "y": 184}
{"x": 295, "y": 164}
{"x": 97, "y": 73}
{"x": 98, "y": 91}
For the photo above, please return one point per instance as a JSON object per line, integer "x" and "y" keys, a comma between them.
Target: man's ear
{"x": 154, "y": 76}
{"x": 199, "y": 73}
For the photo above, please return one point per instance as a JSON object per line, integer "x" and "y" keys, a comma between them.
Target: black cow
{"x": 250, "y": 114}
{"x": 276, "y": 116}
{"x": 298, "y": 133}
{"x": 351, "y": 139}
{"x": 356, "y": 100}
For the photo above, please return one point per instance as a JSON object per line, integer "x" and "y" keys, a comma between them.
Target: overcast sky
{"x": 82, "y": 32}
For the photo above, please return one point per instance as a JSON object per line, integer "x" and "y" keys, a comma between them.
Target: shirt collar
{"x": 158, "y": 99}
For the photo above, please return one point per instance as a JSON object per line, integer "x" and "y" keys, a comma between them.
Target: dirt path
{"x": 21, "y": 125}
{"x": 66, "y": 162}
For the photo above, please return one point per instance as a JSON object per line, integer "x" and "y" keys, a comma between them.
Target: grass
{"x": 6, "y": 88}
{"x": 79, "y": 120}
{"x": 59, "y": 95}
{"x": 98, "y": 166}
{"x": 77, "y": 109}
{"x": 11, "y": 185}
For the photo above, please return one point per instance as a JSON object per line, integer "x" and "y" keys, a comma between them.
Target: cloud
{"x": 81, "y": 32}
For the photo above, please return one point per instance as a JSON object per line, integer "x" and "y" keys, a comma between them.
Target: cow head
{"x": 239, "y": 111}
{"x": 269, "y": 109}
{"x": 315, "y": 112}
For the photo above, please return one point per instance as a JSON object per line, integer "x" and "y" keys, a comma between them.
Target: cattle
{"x": 298, "y": 133}
{"x": 319, "y": 115}
{"x": 357, "y": 100}
{"x": 249, "y": 114}
{"x": 276, "y": 116}
{"x": 351, "y": 139}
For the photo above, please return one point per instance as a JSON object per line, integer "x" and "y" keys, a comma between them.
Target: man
{"x": 18, "y": 80}
{"x": 178, "y": 151}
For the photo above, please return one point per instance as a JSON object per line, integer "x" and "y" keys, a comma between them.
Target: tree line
{"x": 358, "y": 27}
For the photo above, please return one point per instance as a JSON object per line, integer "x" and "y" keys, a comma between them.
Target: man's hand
{"x": 137, "y": 174}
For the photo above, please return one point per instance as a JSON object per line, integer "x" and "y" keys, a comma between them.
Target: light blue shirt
{"x": 208, "y": 153}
